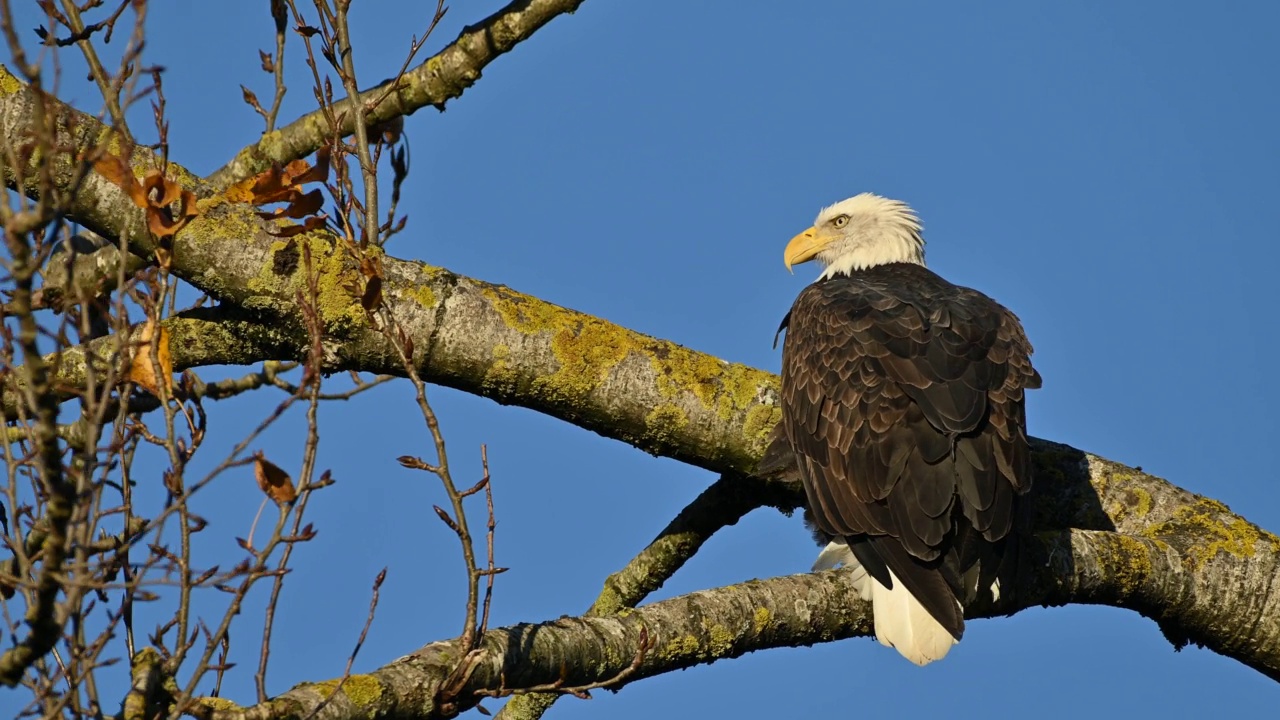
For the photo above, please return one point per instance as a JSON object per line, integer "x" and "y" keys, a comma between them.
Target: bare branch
{"x": 443, "y": 77}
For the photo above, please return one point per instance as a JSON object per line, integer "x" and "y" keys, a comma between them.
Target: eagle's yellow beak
{"x": 802, "y": 248}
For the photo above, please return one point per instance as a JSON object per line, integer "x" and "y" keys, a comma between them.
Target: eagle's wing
{"x": 904, "y": 405}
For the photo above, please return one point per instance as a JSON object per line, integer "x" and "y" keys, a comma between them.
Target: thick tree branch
{"x": 80, "y": 270}
{"x": 469, "y": 334}
{"x": 441, "y": 78}
{"x": 197, "y": 338}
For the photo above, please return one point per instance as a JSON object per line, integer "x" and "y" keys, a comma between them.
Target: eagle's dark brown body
{"x": 902, "y": 401}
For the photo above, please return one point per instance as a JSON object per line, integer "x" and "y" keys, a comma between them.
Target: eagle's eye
{"x": 840, "y": 221}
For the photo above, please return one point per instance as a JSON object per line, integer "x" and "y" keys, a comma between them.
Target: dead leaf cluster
{"x": 284, "y": 185}
{"x": 168, "y": 205}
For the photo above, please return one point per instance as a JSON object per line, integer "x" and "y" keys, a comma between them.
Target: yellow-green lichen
{"x": 434, "y": 68}
{"x": 500, "y": 378}
{"x": 587, "y": 356}
{"x": 270, "y": 144}
{"x": 325, "y": 688}
{"x": 1128, "y": 563}
{"x": 9, "y": 83}
{"x": 761, "y": 620}
{"x": 1206, "y": 527}
{"x": 727, "y": 388}
{"x": 666, "y": 422}
{"x": 1141, "y": 501}
{"x": 681, "y": 647}
{"x": 741, "y": 386}
{"x": 721, "y": 640}
{"x": 1050, "y": 463}
{"x": 431, "y": 272}
{"x": 363, "y": 690}
{"x": 217, "y": 704}
{"x": 586, "y": 348}
{"x": 683, "y": 370}
{"x": 760, "y": 421}
{"x": 608, "y": 602}
{"x": 1136, "y": 501}
{"x": 285, "y": 273}
{"x": 1116, "y": 476}
{"x": 522, "y": 312}
{"x": 613, "y": 658}
{"x": 182, "y": 176}
{"x": 424, "y": 295}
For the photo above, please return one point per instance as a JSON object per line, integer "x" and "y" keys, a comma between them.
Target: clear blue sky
{"x": 1106, "y": 170}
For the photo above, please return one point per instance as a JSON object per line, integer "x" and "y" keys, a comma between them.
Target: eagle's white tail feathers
{"x": 834, "y": 555}
{"x": 838, "y": 553}
{"x": 971, "y": 578}
{"x": 901, "y": 621}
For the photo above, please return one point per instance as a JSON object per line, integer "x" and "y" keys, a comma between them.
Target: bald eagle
{"x": 902, "y": 405}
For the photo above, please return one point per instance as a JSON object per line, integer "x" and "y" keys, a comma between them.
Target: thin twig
{"x": 435, "y": 81}
{"x": 364, "y": 633}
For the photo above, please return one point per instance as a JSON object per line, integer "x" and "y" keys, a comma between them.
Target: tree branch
{"x": 441, "y": 78}
{"x": 197, "y": 338}
{"x": 723, "y": 504}
{"x": 704, "y": 627}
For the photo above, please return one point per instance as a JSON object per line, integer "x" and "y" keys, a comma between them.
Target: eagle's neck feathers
{"x": 884, "y": 252}
{"x": 879, "y": 231}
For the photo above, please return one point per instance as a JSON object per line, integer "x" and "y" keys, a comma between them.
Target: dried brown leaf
{"x": 118, "y": 172}
{"x": 268, "y": 186}
{"x": 372, "y": 298}
{"x": 155, "y": 194}
{"x": 283, "y": 185}
{"x": 288, "y": 231}
{"x": 241, "y": 192}
{"x": 315, "y": 173}
{"x": 251, "y": 99}
{"x": 172, "y": 482}
{"x": 162, "y": 222}
{"x": 390, "y": 130}
{"x": 273, "y": 481}
{"x": 141, "y": 370}
{"x": 302, "y": 205}
{"x": 294, "y": 170}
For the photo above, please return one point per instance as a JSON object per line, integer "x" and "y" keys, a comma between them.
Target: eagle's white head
{"x": 864, "y": 231}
